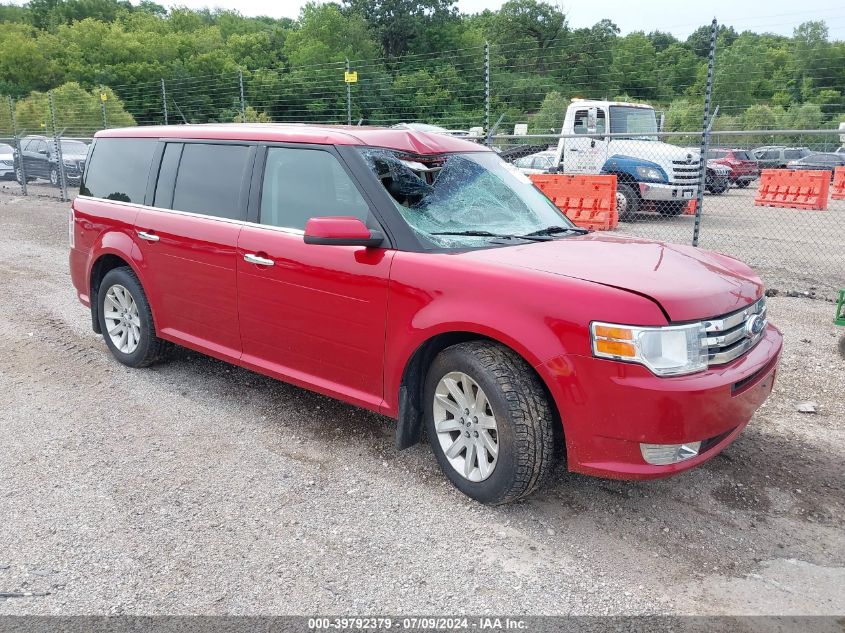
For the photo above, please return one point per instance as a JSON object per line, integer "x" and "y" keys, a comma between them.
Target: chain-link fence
{"x": 524, "y": 100}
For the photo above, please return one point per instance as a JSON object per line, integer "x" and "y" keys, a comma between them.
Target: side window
{"x": 792, "y": 153}
{"x": 581, "y": 122}
{"x": 209, "y": 180}
{"x": 41, "y": 148}
{"x": 118, "y": 169}
{"x": 300, "y": 184}
{"x": 523, "y": 162}
{"x": 773, "y": 154}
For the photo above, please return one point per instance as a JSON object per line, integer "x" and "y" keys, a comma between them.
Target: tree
{"x": 634, "y": 66}
{"x": 398, "y": 23}
{"x": 326, "y": 35}
{"x": 529, "y": 20}
{"x": 551, "y": 113}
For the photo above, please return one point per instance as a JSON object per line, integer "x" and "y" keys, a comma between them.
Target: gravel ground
{"x": 197, "y": 487}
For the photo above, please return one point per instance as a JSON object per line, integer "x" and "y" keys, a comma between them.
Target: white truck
{"x": 648, "y": 171}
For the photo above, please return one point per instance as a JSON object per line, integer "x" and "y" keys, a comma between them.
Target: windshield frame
{"x": 412, "y": 238}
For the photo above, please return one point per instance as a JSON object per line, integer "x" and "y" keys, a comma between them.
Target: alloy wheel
{"x": 123, "y": 324}
{"x": 466, "y": 427}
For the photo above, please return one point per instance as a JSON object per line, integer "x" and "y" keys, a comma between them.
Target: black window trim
{"x": 155, "y": 168}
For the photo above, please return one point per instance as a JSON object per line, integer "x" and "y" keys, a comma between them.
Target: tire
{"x": 148, "y": 348}
{"x": 521, "y": 415}
{"x": 19, "y": 176}
{"x": 671, "y": 208}
{"x": 54, "y": 177}
{"x": 719, "y": 188}
{"x": 742, "y": 184}
{"x": 627, "y": 201}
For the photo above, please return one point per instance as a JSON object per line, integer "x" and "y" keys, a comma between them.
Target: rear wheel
{"x": 126, "y": 320}
{"x": 489, "y": 422}
{"x": 627, "y": 201}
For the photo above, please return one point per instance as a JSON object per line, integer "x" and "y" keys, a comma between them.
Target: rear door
{"x": 188, "y": 242}
{"x": 312, "y": 315}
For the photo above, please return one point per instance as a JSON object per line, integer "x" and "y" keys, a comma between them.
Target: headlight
{"x": 651, "y": 173}
{"x": 666, "y": 351}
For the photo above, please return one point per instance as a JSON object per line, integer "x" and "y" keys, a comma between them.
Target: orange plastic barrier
{"x": 589, "y": 201}
{"x": 802, "y": 189}
{"x": 837, "y": 189}
{"x": 691, "y": 206}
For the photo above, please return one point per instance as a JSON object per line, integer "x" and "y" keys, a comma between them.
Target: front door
{"x": 189, "y": 252}
{"x": 586, "y": 153}
{"x": 312, "y": 315}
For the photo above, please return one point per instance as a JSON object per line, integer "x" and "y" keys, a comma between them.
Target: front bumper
{"x": 609, "y": 408}
{"x": 649, "y": 191}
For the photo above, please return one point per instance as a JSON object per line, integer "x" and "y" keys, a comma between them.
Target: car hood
{"x": 688, "y": 283}
{"x": 74, "y": 156}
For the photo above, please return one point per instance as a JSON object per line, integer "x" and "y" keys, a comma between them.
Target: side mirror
{"x": 341, "y": 231}
{"x": 592, "y": 120}
{"x": 42, "y": 151}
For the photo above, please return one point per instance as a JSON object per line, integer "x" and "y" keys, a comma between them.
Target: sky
{"x": 679, "y": 17}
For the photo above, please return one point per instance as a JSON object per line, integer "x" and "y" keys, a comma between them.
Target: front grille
{"x": 6, "y": 163}
{"x": 732, "y": 335}
{"x": 684, "y": 173}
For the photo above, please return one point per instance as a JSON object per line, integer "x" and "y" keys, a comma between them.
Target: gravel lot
{"x": 197, "y": 487}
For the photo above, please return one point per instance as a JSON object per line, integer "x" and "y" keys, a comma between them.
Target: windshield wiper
{"x": 554, "y": 230}
{"x": 530, "y": 237}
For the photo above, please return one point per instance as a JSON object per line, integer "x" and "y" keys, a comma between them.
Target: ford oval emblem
{"x": 754, "y": 326}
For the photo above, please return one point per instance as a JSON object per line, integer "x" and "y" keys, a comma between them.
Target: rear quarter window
{"x": 118, "y": 169}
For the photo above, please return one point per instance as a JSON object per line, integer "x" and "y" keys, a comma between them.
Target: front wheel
{"x": 54, "y": 177}
{"x": 627, "y": 201}
{"x": 126, "y": 320}
{"x": 489, "y": 422}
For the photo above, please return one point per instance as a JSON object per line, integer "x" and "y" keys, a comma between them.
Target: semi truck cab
{"x": 649, "y": 172}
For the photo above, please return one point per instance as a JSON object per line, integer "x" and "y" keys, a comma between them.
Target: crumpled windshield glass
{"x": 453, "y": 193}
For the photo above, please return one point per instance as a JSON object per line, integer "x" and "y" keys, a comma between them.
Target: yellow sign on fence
{"x": 350, "y": 77}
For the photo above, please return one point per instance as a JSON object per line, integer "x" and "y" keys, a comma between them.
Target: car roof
{"x": 406, "y": 140}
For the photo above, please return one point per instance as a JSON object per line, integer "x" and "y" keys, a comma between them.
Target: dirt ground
{"x": 197, "y": 487}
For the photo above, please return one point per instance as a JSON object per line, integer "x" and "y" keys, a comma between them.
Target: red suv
{"x": 744, "y": 169}
{"x": 422, "y": 277}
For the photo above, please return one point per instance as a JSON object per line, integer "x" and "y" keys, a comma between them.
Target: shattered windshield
{"x": 473, "y": 192}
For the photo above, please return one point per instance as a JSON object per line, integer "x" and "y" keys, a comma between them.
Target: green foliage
{"x": 416, "y": 59}
{"x": 550, "y": 116}
{"x": 78, "y": 112}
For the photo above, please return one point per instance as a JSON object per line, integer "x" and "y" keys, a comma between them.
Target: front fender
{"x": 540, "y": 316}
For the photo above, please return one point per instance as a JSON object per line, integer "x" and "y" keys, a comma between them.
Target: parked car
{"x": 777, "y": 156}
{"x": 717, "y": 178}
{"x": 819, "y": 161}
{"x": 421, "y": 277}
{"x": 539, "y": 163}
{"x": 743, "y": 169}
{"x": 40, "y": 160}
{"x": 7, "y": 162}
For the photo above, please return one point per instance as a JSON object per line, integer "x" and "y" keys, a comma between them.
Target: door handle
{"x": 150, "y": 237}
{"x": 255, "y": 259}
{"x": 572, "y": 149}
